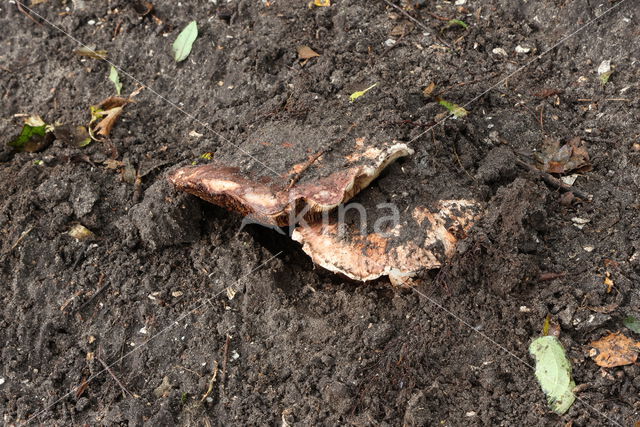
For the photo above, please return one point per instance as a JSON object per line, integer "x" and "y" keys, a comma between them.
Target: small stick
{"x": 225, "y": 358}
{"x": 21, "y": 9}
{"x": 211, "y": 381}
{"x": 108, "y": 369}
{"x": 553, "y": 181}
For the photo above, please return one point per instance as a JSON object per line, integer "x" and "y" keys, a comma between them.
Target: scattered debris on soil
{"x": 570, "y": 157}
{"x": 105, "y": 115}
{"x": 169, "y": 278}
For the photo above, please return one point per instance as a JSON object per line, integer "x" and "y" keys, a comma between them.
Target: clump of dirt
{"x": 170, "y": 287}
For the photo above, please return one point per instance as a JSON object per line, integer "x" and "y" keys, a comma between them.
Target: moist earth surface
{"x": 201, "y": 322}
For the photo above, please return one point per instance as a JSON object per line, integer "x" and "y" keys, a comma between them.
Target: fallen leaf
{"x": 105, "y": 115}
{"x": 456, "y": 22}
{"x": 427, "y": 91}
{"x": 572, "y": 156}
{"x": 80, "y": 232}
{"x": 163, "y": 389}
{"x": 75, "y": 136}
{"x": 359, "y": 93}
{"x": 82, "y": 387}
{"x": 553, "y": 371}
{"x": 184, "y": 41}
{"x": 35, "y": 135}
{"x": 322, "y": 3}
{"x": 115, "y": 78}
{"x": 305, "y": 52}
{"x": 608, "y": 282}
{"x": 546, "y": 93}
{"x": 401, "y": 30}
{"x": 614, "y": 350}
{"x": 91, "y": 52}
{"x": 632, "y": 323}
{"x": 455, "y": 109}
{"x": 113, "y": 164}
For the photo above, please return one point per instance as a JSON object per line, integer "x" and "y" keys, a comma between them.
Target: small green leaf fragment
{"x": 184, "y": 42}
{"x": 207, "y": 156}
{"x": 553, "y": 371}
{"x": 604, "y": 77}
{"x": 32, "y": 133}
{"x": 38, "y": 162}
{"x": 632, "y": 323}
{"x": 358, "y": 94}
{"x": 91, "y": 52}
{"x": 454, "y": 109}
{"x": 115, "y": 78}
{"x": 458, "y": 22}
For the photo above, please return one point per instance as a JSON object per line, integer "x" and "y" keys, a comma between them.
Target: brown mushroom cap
{"x": 423, "y": 241}
{"x": 312, "y": 181}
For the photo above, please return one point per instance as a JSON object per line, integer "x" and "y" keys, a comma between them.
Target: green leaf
{"x": 359, "y": 93}
{"x": 115, "y": 78}
{"x": 604, "y": 77}
{"x": 453, "y": 22}
{"x": 182, "y": 45}
{"x": 632, "y": 323}
{"x": 454, "y": 109}
{"x": 553, "y": 371}
{"x": 33, "y": 136}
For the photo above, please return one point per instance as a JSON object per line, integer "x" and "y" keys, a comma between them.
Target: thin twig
{"x": 553, "y": 181}
{"x": 211, "y": 381}
{"x": 19, "y": 4}
{"x": 225, "y": 358}
{"x": 108, "y": 369}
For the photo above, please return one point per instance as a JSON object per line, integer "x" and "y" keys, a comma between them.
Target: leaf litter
{"x": 115, "y": 78}
{"x": 553, "y": 371}
{"x": 615, "y": 349}
{"x": 184, "y": 42}
{"x": 90, "y": 52}
{"x": 104, "y": 116}
{"x": 35, "y": 135}
{"x": 359, "y": 93}
{"x": 560, "y": 159}
{"x": 632, "y": 323}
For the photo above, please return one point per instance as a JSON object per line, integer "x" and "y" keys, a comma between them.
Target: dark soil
{"x": 297, "y": 345}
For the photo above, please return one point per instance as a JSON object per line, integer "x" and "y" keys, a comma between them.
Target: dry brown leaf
{"x": 572, "y": 156}
{"x": 305, "y": 52}
{"x": 615, "y": 350}
{"x": 427, "y": 91}
{"x": 113, "y": 164}
{"x": 107, "y": 112}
